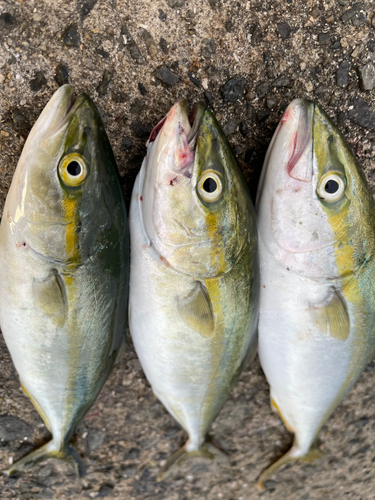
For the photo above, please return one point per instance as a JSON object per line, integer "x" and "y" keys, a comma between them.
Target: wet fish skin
{"x": 316, "y": 220}
{"x": 64, "y": 277}
{"x": 194, "y": 283}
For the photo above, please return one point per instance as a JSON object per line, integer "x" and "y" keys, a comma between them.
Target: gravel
{"x": 342, "y": 74}
{"x": 247, "y": 60}
{"x": 62, "y": 74}
{"x": 95, "y": 439}
{"x": 165, "y": 75}
{"x": 233, "y": 90}
{"x": 71, "y": 36}
{"x": 367, "y": 76}
{"x": 126, "y": 143}
{"x": 104, "y": 83}
{"x": 163, "y": 44}
{"x": 127, "y": 41}
{"x": 38, "y": 81}
{"x": 12, "y": 428}
{"x": 284, "y": 30}
{"x": 361, "y": 113}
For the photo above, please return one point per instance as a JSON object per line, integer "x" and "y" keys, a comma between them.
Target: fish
{"x": 64, "y": 277}
{"x": 316, "y": 219}
{"x": 194, "y": 280}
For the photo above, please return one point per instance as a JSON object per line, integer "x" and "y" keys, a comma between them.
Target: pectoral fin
{"x": 50, "y": 298}
{"x": 331, "y": 315}
{"x": 196, "y": 312}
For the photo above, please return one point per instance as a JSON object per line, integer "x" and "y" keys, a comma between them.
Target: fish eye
{"x": 210, "y": 186}
{"x": 73, "y": 170}
{"x": 331, "y": 188}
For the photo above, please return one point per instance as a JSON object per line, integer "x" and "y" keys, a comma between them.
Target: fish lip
{"x": 303, "y": 136}
{"x": 195, "y": 120}
{"x": 194, "y": 117}
{"x": 73, "y": 105}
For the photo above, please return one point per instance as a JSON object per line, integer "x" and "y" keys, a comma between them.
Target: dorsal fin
{"x": 49, "y": 297}
{"x": 196, "y": 312}
{"x": 331, "y": 315}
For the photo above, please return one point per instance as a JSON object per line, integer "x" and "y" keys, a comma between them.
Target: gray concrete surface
{"x": 248, "y": 60}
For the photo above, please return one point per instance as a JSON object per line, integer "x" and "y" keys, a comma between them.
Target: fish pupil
{"x": 210, "y": 185}
{"x": 74, "y": 168}
{"x": 331, "y": 187}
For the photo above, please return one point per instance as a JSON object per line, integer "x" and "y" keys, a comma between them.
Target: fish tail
{"x": 291, "y": 456}
{"x": 206, "y": 450}
{"x": 49, "y": 450}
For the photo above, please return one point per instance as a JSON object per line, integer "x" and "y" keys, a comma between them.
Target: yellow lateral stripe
{"x": 70, "y": 206}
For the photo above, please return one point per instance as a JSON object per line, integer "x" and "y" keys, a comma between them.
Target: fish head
{"x": 194, "y": 202}
{"x": 313, "y": 196}
{"x": 65, "y": 194}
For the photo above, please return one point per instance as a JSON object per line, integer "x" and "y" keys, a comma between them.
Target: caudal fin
{"x": 49, "y": 450}
{"x": 291, "y": 456}
{"x": 207, "y": 450}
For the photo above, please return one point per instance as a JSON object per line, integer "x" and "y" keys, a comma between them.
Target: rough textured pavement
{"x": 247, "y": 60}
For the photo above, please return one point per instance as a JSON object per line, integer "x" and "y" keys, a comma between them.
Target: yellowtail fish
{"x": 64, "y": 275}
{"x": 194, "y": 271}
{"x": 317, "y": 247}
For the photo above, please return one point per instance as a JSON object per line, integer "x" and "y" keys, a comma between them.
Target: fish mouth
{"x": 299, "y": 118}
{"x": 195, "y": 120}
{"x": 293, "y": 142}
{"x": 189, "y": 123}
{"x": 66, "y": 109}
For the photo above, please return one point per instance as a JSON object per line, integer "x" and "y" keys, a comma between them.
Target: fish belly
{"x": 306, "y": 368}
{"x": 176, "y": 360}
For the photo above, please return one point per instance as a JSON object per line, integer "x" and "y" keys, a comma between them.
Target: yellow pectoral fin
{"x": 196, "y": 312}
{"x": 49, "y": 297}
{"x": 331, "y": 316}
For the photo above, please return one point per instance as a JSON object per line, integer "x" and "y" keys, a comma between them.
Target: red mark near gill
{"x": 163, "y": 259}
{"x": 21, "y": 245}
{"x": 294, "y": 158}
{"x": 172, "y": 181}
{"x": 183, "y": 155}
{"x": 156, "y": 130}
{"x": 141, "y": 198}
{"x": 286, "y": 116}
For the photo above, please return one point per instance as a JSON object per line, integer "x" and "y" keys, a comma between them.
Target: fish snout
{"x": 299, "y": 119}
